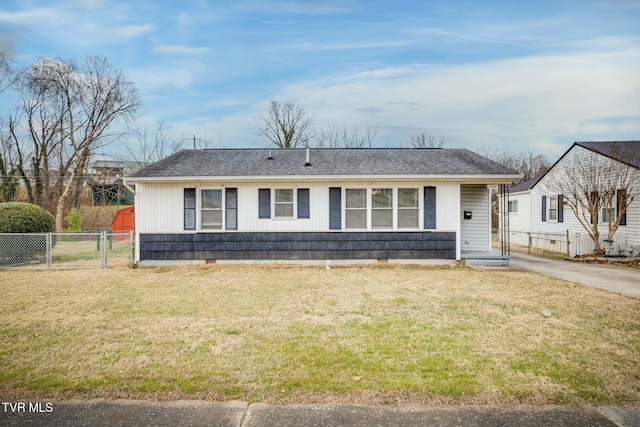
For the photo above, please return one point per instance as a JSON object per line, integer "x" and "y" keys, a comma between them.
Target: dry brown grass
{"x": 367, "y": 335}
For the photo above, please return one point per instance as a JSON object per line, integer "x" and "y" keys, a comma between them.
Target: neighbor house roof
{"x": 322, "y": 162}
{"x": 526, "y": 185}
{"x": 627, "y": 152}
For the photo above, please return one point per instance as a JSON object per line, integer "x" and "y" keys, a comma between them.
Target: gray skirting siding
{"x": 298, "y": 246}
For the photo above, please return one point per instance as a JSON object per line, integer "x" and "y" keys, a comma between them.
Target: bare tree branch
{"x": 425, "y": 140}
{"x": 589, "y": 183}
{"x": 342, "y": 136}
{"x": 286, "y": 124}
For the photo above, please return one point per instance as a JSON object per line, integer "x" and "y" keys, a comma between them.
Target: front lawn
{"x": 365, "y": 335}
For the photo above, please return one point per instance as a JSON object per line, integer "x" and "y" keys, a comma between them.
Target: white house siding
{"x": 631, "y": 231}
{"x": 475, "y": 233}
{"x": 159, "y": 206}
{"x": 520, "y": 221}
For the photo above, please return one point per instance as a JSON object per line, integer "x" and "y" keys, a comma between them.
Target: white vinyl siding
{"x": 475, "y": 233}
{"x": 159, "y": 206}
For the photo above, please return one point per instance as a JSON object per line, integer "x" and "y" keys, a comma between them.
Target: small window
{"x": 382, "y": 208}
{"x": 283, "y": 203}
{"x": 608, "y": 215}
{"x": 211, "y": 209}
{"x": 408, "y": 209}
{"x": 513, "y": 206}
{"x": 356, "y": 208}
{"x": 553, "y": 208}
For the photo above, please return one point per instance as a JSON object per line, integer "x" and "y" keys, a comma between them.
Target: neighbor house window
{"x": 608, "y": 214}
{"x": 553, "y": 208}
{"x": 513, "y": 206}
{"x": 356, "y": 208}
{"x": 211, "y": 209}
{"x": 382, "y": 208}
{"x": 408, "y": 209}
{"x": 283, "y": 203}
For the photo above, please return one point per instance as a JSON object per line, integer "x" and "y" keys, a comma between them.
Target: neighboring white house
{"x": 539, "y": 217}
{"x": 317, "y": 204}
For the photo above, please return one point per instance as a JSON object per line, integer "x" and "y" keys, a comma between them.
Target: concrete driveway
{"x": 619, "y": 280}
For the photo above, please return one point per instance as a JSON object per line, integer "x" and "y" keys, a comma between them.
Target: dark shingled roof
{"x": 627, "y": 152}
{"x": 526, "y": 185}
{"x": 323, "y": 162}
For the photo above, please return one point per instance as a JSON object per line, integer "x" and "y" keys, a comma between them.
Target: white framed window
{"x": 283, "y": 203}
{"x": 408, "y": 207}
{"x": 553, "y": 208}
{"x": 382, "y": 208}
{"x": 211, "y": 206}
{"x": 513, "y": 206}
{"x": 608, "y": 214}
{"x": 356, "y": 208}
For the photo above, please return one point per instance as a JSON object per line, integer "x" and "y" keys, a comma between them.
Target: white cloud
{"x": 130, "y": 32}
{"x": 182, "y": 50}
{"x": 531, "y": 101}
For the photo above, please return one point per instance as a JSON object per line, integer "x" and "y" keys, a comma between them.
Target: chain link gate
{"x": 66, "y": 250}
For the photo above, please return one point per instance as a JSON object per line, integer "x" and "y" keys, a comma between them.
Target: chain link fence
{"x": 567, "y": 243}
{"x": 66, "y": 250}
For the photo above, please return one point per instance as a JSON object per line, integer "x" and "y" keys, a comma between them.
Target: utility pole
{"x": 194, "y": 141}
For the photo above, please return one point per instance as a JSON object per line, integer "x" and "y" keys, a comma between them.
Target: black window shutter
{"x": 231, "y": 209}
{"x": 189, "y": 208}
{"x": 544, "y": 208}
{"x": 429, "y": 208}
{"x": 335, "y": 208}
{"x": 560, "y": 208}
{"x": 264, "y": 197}
{"x": 620, "y": 204}
{"x": 303, "y": 203}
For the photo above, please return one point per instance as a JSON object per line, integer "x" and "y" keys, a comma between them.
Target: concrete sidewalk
{"x": 241, "y": 414}
{"x": 622, "y": 281}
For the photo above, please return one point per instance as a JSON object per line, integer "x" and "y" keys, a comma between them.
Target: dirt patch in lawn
{"x": 284, "y": 334}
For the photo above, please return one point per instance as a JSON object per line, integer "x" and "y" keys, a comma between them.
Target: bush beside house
{"x": 16, "y": 217}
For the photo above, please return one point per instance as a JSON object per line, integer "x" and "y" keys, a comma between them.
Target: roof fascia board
{"x": 485, "y": 179}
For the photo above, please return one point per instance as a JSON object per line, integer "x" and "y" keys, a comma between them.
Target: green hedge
{"x": 18, "y": 217}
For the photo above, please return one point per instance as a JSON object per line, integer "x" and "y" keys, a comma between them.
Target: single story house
{"x": 315, "y": 204}
{"x": 536, "y": 212}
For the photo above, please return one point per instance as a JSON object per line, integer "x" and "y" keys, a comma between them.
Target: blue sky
{"x": 493, "y": 74}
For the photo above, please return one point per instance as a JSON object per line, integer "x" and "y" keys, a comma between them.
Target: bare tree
{"x": 8, "y": 75}
{"x": 425, "y": 140}
{"x": 70, "y": 111}
{"x": 590, "y": 184}
{"x": 286, "y": 124}
{"x": 342, "y": 136}
{"x": 526, "y": 162}
{"x": 152, "y": 144}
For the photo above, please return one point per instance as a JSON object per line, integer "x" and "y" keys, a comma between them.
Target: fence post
{"x": 103, "y": 246}
{"x": 97, "y": 239}
{"x": 529, "y": 245}
{"x": 131, "y": 249}
{"x": 568, "y": 247}
{"x": 48, "y": 250}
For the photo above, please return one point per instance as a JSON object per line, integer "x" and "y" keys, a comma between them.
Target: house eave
{"x": 463, "y": 178}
